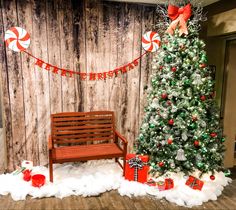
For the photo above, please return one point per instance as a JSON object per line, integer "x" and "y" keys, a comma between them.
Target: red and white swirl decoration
{"x": 151, "y": 41}
{"x": 17, "y": 39}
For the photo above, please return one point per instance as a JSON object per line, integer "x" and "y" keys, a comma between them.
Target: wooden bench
{"x": 81, "y": 136}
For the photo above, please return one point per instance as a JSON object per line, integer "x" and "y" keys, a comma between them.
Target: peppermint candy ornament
{"x": 17, "y": 39}
{"x": 151, "y": 41}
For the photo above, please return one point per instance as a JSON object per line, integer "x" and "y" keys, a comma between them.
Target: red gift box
{"x": 194, "y": 183}
{"x": 136, "y": 168}
{"x": 166, "y": 185}
{"x": 151, "y": 183}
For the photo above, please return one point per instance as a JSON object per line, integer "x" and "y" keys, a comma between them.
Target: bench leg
{"x": 124, "y": 166}
{"x": 50, "y": 168}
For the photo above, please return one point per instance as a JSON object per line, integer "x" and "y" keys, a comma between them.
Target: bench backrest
{"x": 77, "y": 127}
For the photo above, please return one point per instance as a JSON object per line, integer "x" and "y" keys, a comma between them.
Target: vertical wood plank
{"x": 145, "y": 73}
{"x": 6, "y": 108}
{"x": 15, "y": 91}
{"x": 125, "y": 54}
{"x": 39, "y": 49}
{"x": 67, "y": 57}
{"x": 79, "y": 52}
{"x": 24, "y": 12}
{"x": 53, "y": 40}
{"x": 92, "y": 53}
{"x": 114, "y": 15}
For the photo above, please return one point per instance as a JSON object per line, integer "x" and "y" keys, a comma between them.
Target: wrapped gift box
{"x": 136, "y": 168}
{"x": 194, "y": 183}
{"x": 165, "y": 185}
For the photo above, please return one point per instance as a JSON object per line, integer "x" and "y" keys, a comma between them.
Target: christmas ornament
{"x": 151, "y": 41}
{"x": 213, "y": 135}
{"x": 227, "y": 172}
{"x": 196, "y": 143}
{"x": 179, "y": 17}
{"x": 17, "y": 39}
{"x": 171, "y": 122}
{"x": 194, "y": 118}
{"x": 151, "y": 125}
{"x": 203, "y": 98}
{"x": 212, "y": 177}
{"x": 173, "y": 69}
{"x": 163, "y": 95}
{"x": 168, "y": 59}
{"x": 168, "y": 102}
{"x": 223, "y": 139}
{"x": 180, "y": 155}
{"x": 202, "y": 65}
{"x": 161, "y": 164}
{"x": 169, "y": 141}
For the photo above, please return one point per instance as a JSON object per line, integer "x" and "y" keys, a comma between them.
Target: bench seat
{"x": 86, "y": 152}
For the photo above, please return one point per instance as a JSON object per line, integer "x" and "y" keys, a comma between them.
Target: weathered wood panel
{"x": 18, "y": 147}
{"x": 54, "y": 58}
{"x": 40, "y": 49}
{"x": 86, "y": 36}
{"x": 6, "y": 109}
{"x": 25, "y": 20}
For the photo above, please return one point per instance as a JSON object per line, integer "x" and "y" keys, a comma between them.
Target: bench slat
{"x": 91, "y": 122}
{"x": 105, "y": 134}
{"x": 66, "y": 141}
{"x": 56, "y": 128}
{"x": 73, "y": 118}
{"x": 96, "y": 130}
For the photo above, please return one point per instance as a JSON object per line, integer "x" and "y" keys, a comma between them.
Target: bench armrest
{"x": 49, "y": 142}
{"x": 122, "y": 138}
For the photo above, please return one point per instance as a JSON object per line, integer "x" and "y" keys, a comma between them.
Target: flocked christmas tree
{"x": 181, "y": 130}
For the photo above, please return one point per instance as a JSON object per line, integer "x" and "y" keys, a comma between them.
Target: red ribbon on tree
{"x": 179, "y": 16}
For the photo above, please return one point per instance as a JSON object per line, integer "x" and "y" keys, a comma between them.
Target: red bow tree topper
{"x": 179, "y": 16}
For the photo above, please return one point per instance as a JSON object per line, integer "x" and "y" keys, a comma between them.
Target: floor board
{"x": 112, "y": 200}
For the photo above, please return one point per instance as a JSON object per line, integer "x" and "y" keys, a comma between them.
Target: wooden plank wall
{"x": 84, "y": 36}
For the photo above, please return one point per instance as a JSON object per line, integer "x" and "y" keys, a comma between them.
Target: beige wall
{"x": 220, "y": 28}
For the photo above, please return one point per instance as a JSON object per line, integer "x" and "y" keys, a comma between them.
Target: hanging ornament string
{"x": 83, "y": 75}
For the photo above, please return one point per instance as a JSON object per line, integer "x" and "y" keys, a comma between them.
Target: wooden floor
{"x": 112, "y": 200}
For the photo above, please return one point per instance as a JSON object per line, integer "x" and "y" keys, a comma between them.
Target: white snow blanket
{"x": 95, "y": 177}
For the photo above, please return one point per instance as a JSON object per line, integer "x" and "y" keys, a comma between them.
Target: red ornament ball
{"x": 161, "y": 164}
{"x": 171, "y": 122}
{"x": 169, "y": 102}
{"x": 169, "y": 141}
{"x": 212, "y": 177}
{"x": 196, "y": 143}
{"x": 202, "y": 65}
{"x": 163, "y": 95}
{"x": 213, "y": 135}
{"x": 194, "y": 118}
{"x": 173, "y": 69}
{"x": 161, "y": 67}
{"x": 203, "y": 98}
